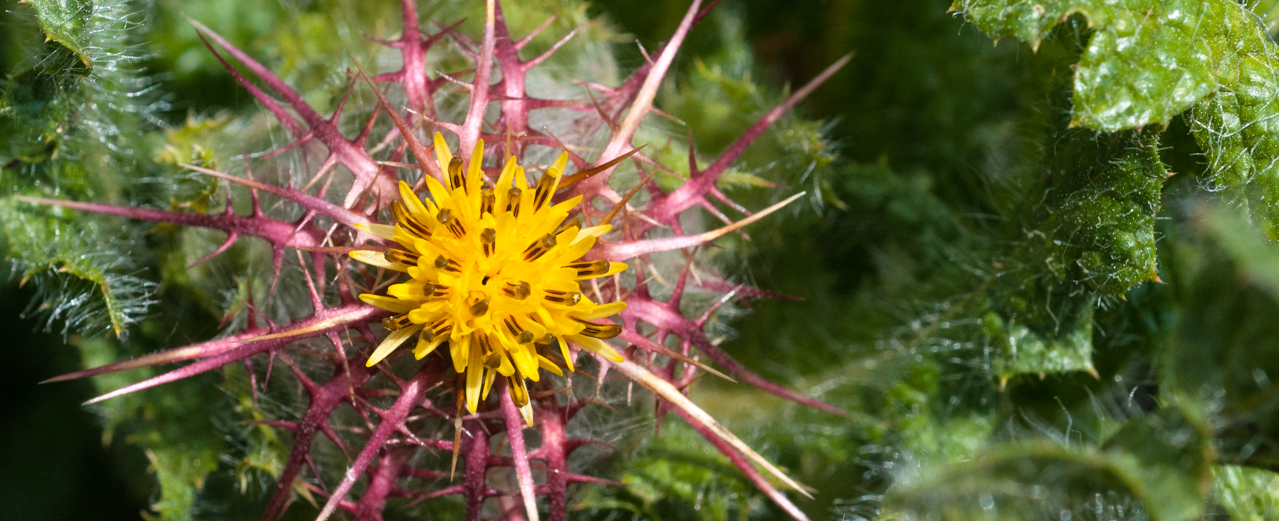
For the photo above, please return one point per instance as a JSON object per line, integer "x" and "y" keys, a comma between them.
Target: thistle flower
{"x": 495, "y": 273}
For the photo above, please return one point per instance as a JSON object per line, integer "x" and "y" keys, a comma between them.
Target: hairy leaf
{"x": 1239, "y": 134}
{"x": 1147, "y": 60}
{"x": 1095, "y": 239}
{"x": 66, "y": 22}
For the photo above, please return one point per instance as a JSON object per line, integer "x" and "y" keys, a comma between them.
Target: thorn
{"x": 533, "y": 34}
{"x": 618, "y": 252}
{"x": 585, "y": 174}
{"x": 608, "y": 217}
{"x": 459, "y": 386}
{"x": 668, "y": 392}
{"x": 642, "y": 50}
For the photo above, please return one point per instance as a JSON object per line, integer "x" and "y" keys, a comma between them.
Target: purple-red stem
{"x": 392, "y": 420}
{"x": 474, "y": 480}
{"x": 381, "y": 483}
{"x": 519, "y": 453}
{"x": 324, "y": 400}
{"x": 554, "y": 451}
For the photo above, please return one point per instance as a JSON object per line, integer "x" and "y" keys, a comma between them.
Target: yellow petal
{"x": 598, "y": 346}
{"x": 441, "y": 196}
{"x": 413, "y": 203}
{"x": 474, "y": 175}
{"x": 426, "y": 314}
{"x": 614, "y": 268}
{"x": 388, "y": 303}
{"x": 525, "y": 363}
{"x": 593, "y": 231}
{"x": 504, "y": 181}
{"x": 558, "y": 166}
{"x": 442, "y": 153}
{"x": 489, "y": 376}
{"x": 474, "y": 377}
{"x": 460, "y": 351}
{"x": 385, "y": 231}
{"x": 506, "y": 345}
{"x": 566, "y": 206}
{"x": 425, "y": 348}
{"x": 568, "y": 358}
{"x": 391, "y": 342}
{"x": 546, "y": 363}
{"x": 600, "y": 311}
{"x": 531, "y": 326}
{"x": 376, "y": 258}
{"x": 577, "y": 249}
{"x": 526, "y": 411}
{"x": 521, "y": 182}
{"x": 526, "y": 408}
{"x": 406, "y": 238}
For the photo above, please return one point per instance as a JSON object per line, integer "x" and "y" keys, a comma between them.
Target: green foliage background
{"x": 1042, "y": 275}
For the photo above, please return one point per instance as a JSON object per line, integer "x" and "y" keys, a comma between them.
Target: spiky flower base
{"x": 493, "y": 274}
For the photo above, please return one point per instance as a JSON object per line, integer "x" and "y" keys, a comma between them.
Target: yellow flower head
{"x": 495, "y": 273}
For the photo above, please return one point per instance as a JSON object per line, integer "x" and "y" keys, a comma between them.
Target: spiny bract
{"x": 500, "y": 273}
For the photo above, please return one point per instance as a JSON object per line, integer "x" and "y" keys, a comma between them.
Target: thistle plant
{"x": 498, "y": 232}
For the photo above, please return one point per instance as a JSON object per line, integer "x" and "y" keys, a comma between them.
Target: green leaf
{"x": 66, "y": 22}
{"x": 1103, "y": 197}
{"x": 1156, "y": 464}
{"x": 1246, "y": 493}
{"x": 182, "y": 447}
{"x": 1146, "y": 61}
{"x": 1238, "y": 131}
{"x": 1095, "y": 239}
{"x": 679, "y": 476}
{"x": 1021, "y": 349}
{"x": 1225, "y": 348}
{"x": 71, "y": 131}
{"x": 35, "y": 106}
{"x": 77, "y": 283}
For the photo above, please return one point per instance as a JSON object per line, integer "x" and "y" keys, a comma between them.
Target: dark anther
{"x": 406, "y": 220}
{"x": 455, "y": 227}
{"x": 593, "y": 268}
{"x": 543, "y": 191}
{"x": 488, "y": 238}
{"x": 539, "y": 247}
{"x": 487, "y": 200}
{"x": 517, "y": 290}
{"x": 447, "y": 264}
{"x": 601, "y": 331}
{"x": 456, "y": 180}
{"x": 480, "y": 308}
{"x": 396, "y": 322}
{"x": 406, "y": 258}
{"x": 567, "y": 298}
{"x": 513, "y": 201}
